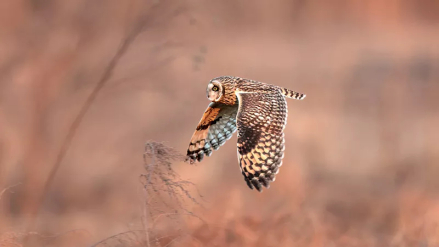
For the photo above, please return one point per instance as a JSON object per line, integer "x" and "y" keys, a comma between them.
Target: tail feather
{"x": 292, "y": 94}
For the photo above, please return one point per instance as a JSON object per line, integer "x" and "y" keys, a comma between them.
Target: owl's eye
{"x": 214, "y": 88}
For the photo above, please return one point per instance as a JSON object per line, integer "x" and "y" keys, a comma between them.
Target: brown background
{"x": 361, "y": 161}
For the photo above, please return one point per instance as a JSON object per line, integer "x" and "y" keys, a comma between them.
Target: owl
{"x": 259, "y": 112}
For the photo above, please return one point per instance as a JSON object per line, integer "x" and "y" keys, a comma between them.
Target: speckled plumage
{"x": 259, "y": 112}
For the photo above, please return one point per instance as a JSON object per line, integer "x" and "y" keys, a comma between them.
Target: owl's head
{"x": 214, "y": 90}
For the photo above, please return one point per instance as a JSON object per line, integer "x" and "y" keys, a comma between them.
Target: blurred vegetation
{"x": 361, "y": 160}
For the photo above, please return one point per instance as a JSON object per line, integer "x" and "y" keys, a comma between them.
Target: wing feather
{"x": 261, "y": 120}
{"x": 215, "y": 127}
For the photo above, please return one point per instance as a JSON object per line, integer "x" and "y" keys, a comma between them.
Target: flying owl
{"x": 259, "y": 112}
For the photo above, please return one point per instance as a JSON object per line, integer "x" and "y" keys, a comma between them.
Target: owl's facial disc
{"x": 214, "y": 91}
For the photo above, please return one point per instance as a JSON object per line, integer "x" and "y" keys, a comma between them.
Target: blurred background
{"x": 361, "y": 161}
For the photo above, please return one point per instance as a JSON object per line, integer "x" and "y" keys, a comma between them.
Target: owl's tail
{"x": 292, "y": 94}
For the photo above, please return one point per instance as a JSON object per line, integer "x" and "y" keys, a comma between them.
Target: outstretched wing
{"x": 216, "y": 126}
{"x": 261, "y": 120}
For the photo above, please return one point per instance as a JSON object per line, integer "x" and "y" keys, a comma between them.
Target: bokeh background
{"x": 362, "y": 153}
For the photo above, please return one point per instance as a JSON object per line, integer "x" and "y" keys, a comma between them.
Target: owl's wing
{"x": 215, "y": 127}
{"x": 261, "y": 120}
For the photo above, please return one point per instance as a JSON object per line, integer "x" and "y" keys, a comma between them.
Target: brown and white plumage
{"x": 259, "y": 112}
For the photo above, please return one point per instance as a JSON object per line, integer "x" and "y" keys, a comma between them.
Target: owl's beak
{"x": 211, "y": 95}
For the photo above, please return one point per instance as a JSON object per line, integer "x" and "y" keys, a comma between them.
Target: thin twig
{"x": 172, "y": 214}
{"x": 164, "y": 186}
{"x": 57, "y": 235}
{"x": 115, "y": 236}
{"x": 8, "y": 188}
{"x": 145, "y": 218}
{"x": 78, "y": 119}
{"x": 172, "y": 241}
